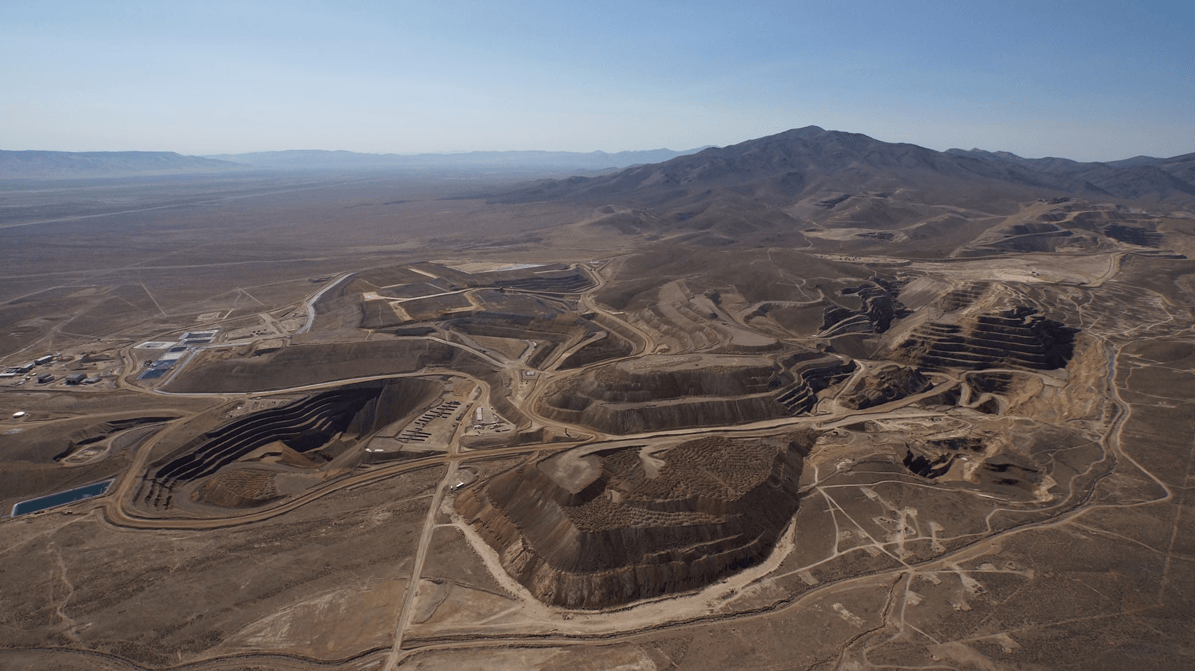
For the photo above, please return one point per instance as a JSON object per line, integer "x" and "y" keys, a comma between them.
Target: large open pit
{"x": 1016, "y": 338}
{"x": 306, "y": 433}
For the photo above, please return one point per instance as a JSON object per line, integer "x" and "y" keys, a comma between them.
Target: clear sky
{"x": 1089, "y": 80}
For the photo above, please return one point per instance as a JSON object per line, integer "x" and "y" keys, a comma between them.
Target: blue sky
{"x": 1085, "y": 80}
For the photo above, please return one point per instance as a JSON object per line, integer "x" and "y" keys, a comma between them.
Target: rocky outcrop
{"x": 811, "y": 376}
{"x": 600, "y": 349}
{"x": 997, "y": 469}
{"x": 880, "y": 307}
{"x": 635, "y": 525}
{"x": 933, "y": 458}
{"x": 885, "y": 386}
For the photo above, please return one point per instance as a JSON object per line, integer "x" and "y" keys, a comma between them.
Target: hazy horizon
{"x": 1069, "y": 80}
{"x": 463, "y": 152}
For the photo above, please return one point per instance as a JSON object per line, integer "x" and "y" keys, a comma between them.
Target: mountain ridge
{"x": 844, "y": 187}
{"x": 790, "y": 165}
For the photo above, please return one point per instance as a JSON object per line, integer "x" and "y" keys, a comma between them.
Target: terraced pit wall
{"x": 353, "y": 411}
{"x": 625, "y": 536}
{"x": 1017, "y": 338}
{"x": 618, "y": 401}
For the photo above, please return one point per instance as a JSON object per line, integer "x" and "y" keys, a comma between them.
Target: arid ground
{"x": 382, "y": 421}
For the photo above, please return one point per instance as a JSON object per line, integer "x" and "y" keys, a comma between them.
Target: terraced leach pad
{"x": 599, "y": 529}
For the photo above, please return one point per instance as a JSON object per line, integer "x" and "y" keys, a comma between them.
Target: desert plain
{"x": 812, "y": 401}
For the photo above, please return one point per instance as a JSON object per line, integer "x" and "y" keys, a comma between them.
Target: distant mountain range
{"x": 784, "y": 168}
{"x": 299, "y": 159}
{"x": 1132, "y": 178}
{"x": 65, "y": 164}
{"x": 58, "y": 164}
{"x": 776, "y": 171}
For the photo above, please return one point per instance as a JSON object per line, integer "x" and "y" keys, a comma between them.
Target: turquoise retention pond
{"x": 61, "y": 498}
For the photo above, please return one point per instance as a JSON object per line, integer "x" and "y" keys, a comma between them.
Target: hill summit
{"x": 782, "y": 168}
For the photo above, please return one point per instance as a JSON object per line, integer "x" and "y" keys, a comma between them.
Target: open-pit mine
{"x": 847, "y": 413}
